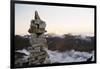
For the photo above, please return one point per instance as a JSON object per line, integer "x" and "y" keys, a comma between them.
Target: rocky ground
{"x": 64, "y": 49}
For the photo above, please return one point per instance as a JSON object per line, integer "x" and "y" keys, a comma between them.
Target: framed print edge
{"x": 12, "y": 30}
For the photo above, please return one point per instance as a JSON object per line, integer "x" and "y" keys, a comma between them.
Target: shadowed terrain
{"x": 67, "y": 42}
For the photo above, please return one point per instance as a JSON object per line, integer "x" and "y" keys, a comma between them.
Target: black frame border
{"x": 12, "y": 30}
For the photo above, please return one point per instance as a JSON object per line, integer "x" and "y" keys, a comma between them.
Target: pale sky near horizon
{"x": 59, "y": 20}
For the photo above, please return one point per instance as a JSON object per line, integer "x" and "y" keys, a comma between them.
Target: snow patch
{"x": 64, "y": 57}
{"x": 69, "y": 56}
{"x": 24, "y": 51}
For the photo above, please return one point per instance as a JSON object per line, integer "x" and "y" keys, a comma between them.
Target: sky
{"x": 59, "y": 20}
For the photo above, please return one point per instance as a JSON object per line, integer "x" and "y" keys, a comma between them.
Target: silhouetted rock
{"x": 89, "y": 59}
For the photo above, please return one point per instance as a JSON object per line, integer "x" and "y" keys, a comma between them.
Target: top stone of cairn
{"x": 37, "y": 25}
{"x": 36, "y": 16}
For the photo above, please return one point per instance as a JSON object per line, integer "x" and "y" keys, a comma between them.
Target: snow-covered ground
{"x": 69, "y": 56}
{"x": 65, "y": 57}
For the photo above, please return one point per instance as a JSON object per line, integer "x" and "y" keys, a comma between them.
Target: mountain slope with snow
{"x": 65, "y": 57}
{"x": 69, "y": 56}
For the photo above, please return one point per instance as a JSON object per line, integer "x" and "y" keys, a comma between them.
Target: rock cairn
{"x": 38, "y": 53}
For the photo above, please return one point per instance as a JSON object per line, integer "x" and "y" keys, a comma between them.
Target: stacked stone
{"x": 37, "y": 56}
{"x": 38, "y": 53}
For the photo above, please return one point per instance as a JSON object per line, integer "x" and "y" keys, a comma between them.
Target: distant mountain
{"x": 60, "y": 42}
{"x": 21, "y": 42}
{"x": 69, "y": 42}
